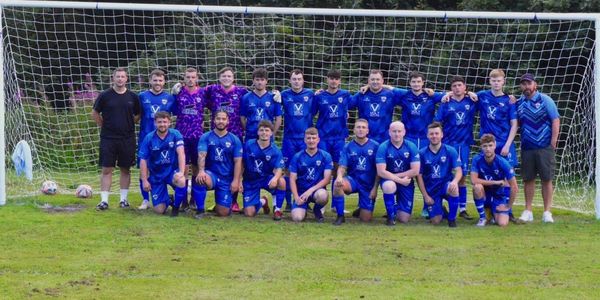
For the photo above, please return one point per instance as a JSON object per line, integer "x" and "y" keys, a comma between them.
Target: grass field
{"x": 129, "y": 254}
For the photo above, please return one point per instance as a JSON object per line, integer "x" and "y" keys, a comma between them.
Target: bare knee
{"x": 478, "y": 191}
{"x": 321, "y": 197}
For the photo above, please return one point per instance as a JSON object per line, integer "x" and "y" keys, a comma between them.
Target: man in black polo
{"x": 116, "y": 111}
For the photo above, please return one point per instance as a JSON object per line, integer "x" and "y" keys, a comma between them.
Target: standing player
{"x": 263, "y": 169}
{"x": 397, "y": 163}
{"x": 115, "y": 111}
{"x": 457, "y": 117}
{"x": 226, "y": 96}
{"x": 357, "y": 162}
{"x": 377, "y": 106}
{"x": 490, "y": 175}
{"x": 310, "y": 172}
{"x": 259, "y": 105}
{"x": 154, "y": 100}
{"x": 190, "y": 102}
{"x": 435, "y": 178}
{"x": 540, "y": 126}
{"x": 297, "y": 104}
{"x": 162, "y": 159}
{"x": 219, "y": 166}
{"x": 498, "y": 115}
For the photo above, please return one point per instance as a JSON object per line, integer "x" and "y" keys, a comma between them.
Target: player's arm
{"x": 201, "y": 178}
{"x": 137, "y": 109}
{"x": 373, "y": 192}
{"x": 180, "y": 158}
{"x": 476, "y": 180}
{"x": 237, "y": 174}
{"x": 144, "y": 174}
{"x": 276, "y": 125}
{"x": 339, "y": 179}
{"x": 514, "y": 126}
{"x": 415, "y": 166}
{"x": 97, "y": 118}
{"x": 453, "y": 185}
{"x": 277, "y": 174}
{"x": 555, "y": 132}
{"x": 421, "y": 183}
{"x": 514, "y": 189}
{"x": 385, "y": 174}
{"x": 294, "y": 188}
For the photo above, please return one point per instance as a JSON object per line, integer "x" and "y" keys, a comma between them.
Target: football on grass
{"x": 83, "y": 191}
{"x": 49, "y": 187}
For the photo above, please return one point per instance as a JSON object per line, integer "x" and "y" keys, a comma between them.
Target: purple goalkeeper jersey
{"x": 230, "y": 101}
{"x": 190, "y": 112}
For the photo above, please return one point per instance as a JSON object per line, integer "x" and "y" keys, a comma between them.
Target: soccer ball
{"x": 83, "y": 191}
{"x": 49, "y": 187}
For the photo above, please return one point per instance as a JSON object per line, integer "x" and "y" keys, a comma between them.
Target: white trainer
{"x": 547, "y": 217}
{"x": 526, "y": 216}
{"x": 144, "y": 205}
{"x": 482, "y": 222}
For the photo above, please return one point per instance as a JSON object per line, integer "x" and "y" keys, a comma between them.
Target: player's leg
{"x": 160, "y": 197}
{"x": 200, "y": 193}
{"x": 191, "y": 158}
{"x": 435, "y": 210}
{"x": 125, "y": 159}
{"x": 178, "y": 183}
{"x": 546, "y": 163}
{"x": 389, "y": 189}
{"x": 501, "y": 212}
{"x": 464, "y": 151}
{"x": 298, "y": 212}
{"x": 479, "y": 198}
{"x": 251, "y": 198}
{"x": 365, "y": 204}
{"x": 511, "y": 157}
{"x": 404, "y": 198}
{"x": 335, "y": 148}
{"x": 279, "y": 198}
{"x": 452, "y": 198}
{"x": 223, "y": 198}
{"x": 528, "y": 174}
{"x": 107, "y": 161}
{"x": 320, "y": 197}
{"x": 338, "y": 199}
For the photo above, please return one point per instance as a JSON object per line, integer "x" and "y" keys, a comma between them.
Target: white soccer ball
{"x": 83, "y": 191}
{"x": 49, "y": 187}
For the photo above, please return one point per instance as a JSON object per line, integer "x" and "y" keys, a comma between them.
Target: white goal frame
{"x": 595, "y": 17}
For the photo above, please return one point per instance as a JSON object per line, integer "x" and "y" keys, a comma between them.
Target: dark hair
{"x": 259, "y": 73}
{"x": 487, "y": 138}
{"x": 225, "y": 69}
{"x": 435, "y": 125}
{"x": 162, "y": 115}
{"x": 376, "y": 71}
{"x": 311, "y": 131}
{"x": 416, "y": 74}
{"x": 457, "y": 78}
{"x": 222, "y": 110}
{"x": 334, "y": 74}
{"x": 267, "y": 124}
{"x": 157, "y": 72}
{"x": 296, "y": 72}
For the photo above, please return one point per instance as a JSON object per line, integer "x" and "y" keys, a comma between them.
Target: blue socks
{"x": 338, "y": 203}
{"x": 145, "y": 195}
{"x": 479, "y": 204}
{"x": 288, "y": 192}
{"x": 317, "y": 211}
{"x": 180, "y": 194}
{"x": 390, "y": 207}
{"x": 279, "y": 197}
{"x": 462, "y": 198}
{"x": 452, "y": 207}
{"x": 199, "y": 192}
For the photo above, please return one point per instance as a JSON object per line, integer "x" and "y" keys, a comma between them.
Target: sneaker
{"x": 144, "y": 205}
{"x": 102, "y": 206}
{"x": 452, "y": 224}
{"x": 482, "y": 222}
{"x": 425, "y": 213}
{"x": 321, "y": 219}
{"x": 339, "y": 220}
{"x": 547, "y": 217}
{"x": 199, "y": 215}
{"x": 277, "y": 215}
{"x": 174, "y": 212}
{"x": 390, "y": 222}
{"x": 526, "y": 216}
{"x": 124, "y": 204}
{"x": 463, "y": 214}
{"x": 512, "y": 218}
{"x": 265, "y": 207}
{"x": 235, "y": 208}
{"x": 356, "y": 213}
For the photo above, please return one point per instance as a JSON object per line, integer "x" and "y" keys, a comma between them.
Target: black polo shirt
{"x": 117, "y": 112}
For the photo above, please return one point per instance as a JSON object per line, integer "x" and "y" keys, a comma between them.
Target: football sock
{"x": 288, "y": 192}
{"x": 180, "y": 195}
{"x": 479, "y": 204}
{"x": 390, "y": 207}
{"x": 452, "y": 208}
{"x": 124, "y": 194}
{"x": 338, "y": 203}
{"x": 145, "y": 195}
{"x": 104, "y": 196}
{"x": 199, "y": 192}
{"x": 317, "y": 211}
{"x": 462, "y": 198}
{"x": 279, "y": 197}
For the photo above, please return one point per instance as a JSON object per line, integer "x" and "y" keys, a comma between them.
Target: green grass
{"x": 130, "y": 254}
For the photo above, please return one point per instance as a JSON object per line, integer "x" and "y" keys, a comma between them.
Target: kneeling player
{"x": 310, "y": 172}
{"x": 435, "y": 179}
{"x": 397, "y": 164}
{"x": 263, "y": 169}
{"x": 358, "y": 158}
{"x": 219, "y": 166}
{"x": 494, "y": 183}
{"x": 162, "y": 159}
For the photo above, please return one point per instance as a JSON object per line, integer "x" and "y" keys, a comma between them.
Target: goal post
{"x": 56, "y": 57}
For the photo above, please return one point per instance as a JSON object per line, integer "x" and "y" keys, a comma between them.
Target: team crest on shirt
{"x": 443, "y": 159}
{"x": 537, "y": 105}
{"x": 305, "y": 98}
{"x": 406, "y": 154}
{"x": 171, "y": 144}
{"x": 318, "y": 162}
{"x": 468, "y": 106}
{"x": 383, "y": 99}
{"x": 164, "y": 101}
{"x": 340, "y": 99}
{"x": 234, "y": 97}
{"x": 370, "y": 151}
{"x": 268, "y": 157}
{"x": 496, "y": 171}
{"x": 268, "y": 103}
{"x": 227, "y": 144}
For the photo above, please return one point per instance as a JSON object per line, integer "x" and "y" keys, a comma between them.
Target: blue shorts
{"x": 222, "y": 190}
{"x": 404, "y": 196}
{"x": 495, "y": 198}
{"x": 159, "y": 193}
{"x": 190, "y": 146}
{"x": 305, "y": 205}
{"x": 464, "y": 152}
{"x": 252, "y": 190}
{"x": 364, "y": 201}
{"x": 512, "y": 154}
{"x": 436, "y": 208}
{"x": 419, "y": 142}
{"x": 289, "y": 147}
{"x": 334, "y": 147}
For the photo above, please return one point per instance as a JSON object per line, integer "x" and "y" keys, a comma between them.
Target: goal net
{"x": 58, "y": 58}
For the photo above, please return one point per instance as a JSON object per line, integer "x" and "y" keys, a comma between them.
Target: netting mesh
{"x": 57, "y": 60}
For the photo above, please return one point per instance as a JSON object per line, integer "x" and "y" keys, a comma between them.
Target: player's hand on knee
{"x": 339, "y": 182}
{"x": 235, "y": 186}
{"x": 201, "y": 178}
{"x": 176, "y": 89}
{"x": 373, "y": 194}
{"x": 146, "y": 185}
{"x": 452, "y": 188}
{"x": 405, "y": 181}
{"x": 298, "y": 200}
{"x": 306, "y": 195}
{"x": 273, "y": 183}
{"x": 428, "y": 200}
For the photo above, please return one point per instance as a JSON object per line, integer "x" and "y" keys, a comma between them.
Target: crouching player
{"x": 263, "y": 169}
{"x": 357, "y": 160}
{"x": 397, "y": 163}
{"x": 310, "y": 172}
{"x": 435, "y": 179}
{"x": 162, "y": 159}
{"x": 219, "y": 166}
{"x": 490, "y": 174}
